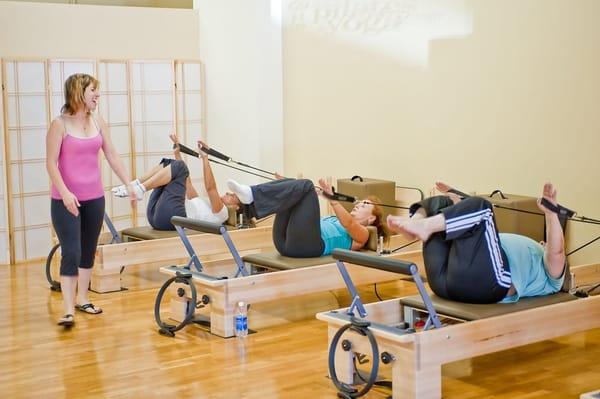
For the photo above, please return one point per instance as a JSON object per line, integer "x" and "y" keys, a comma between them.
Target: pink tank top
{"x": 79, "y": 167}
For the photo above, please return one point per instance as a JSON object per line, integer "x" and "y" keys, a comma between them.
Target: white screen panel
{"x": 4, "y": 257}
{"x": 19, "y": 243}
{"x": 117, "y": 110}
{"x": 4, "y": 250}
{"x": 32, "y": 110}
{"x": 32, "y": 144}
{"x": 192, "y": 76}
{"x": 15, "y": 179}
{"x": 39, "y": 241}
{"x": 35, "y": 178}
{"x": 31, "y": 77}
{"x": 11, "y": 108}
{"x": 120, "y": 138}
{"x": 37, "y": 210}
{"x": 118, "y": 76}
{"x": 157, "y": 77}
{"x": 11, "y": 82}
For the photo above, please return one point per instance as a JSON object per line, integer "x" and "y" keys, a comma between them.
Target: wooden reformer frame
{"x": 417, "y": 358}
{"x": 265, "y": 286}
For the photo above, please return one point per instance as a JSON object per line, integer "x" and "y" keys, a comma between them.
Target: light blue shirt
{"x": 527, "y": 269}
{"x": 334, "y": 235}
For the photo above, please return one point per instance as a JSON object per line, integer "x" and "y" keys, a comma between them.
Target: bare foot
{"x": 442, "y": 187}
{"x": 395, "y": 224}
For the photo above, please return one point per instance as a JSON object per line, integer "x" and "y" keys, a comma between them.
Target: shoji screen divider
{"x": 153, "y": 116}
{"x": 26, "y": 101}
{"x": 190, "y": 111}
{"x": 115, "y": 108}
{"x": 142, "y": 102}
{"x": 4, "y": 242}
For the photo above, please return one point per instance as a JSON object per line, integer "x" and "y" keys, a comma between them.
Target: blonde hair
{"x": 382, "y": 229}
{"x": 75, "y": 86}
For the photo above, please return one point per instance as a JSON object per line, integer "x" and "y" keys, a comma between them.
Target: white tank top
{"x": 199, "y": 208}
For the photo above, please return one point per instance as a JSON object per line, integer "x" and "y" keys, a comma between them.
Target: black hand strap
{"x": 186, "y": 150}
{"x": 558, "y": 209}
{"x": 339, "y": 196}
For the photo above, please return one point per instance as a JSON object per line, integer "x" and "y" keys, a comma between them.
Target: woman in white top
{"x": 174, "y": 194}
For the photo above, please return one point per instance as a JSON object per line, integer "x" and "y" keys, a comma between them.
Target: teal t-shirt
{"x": 527, "y": 269}
{"x": 334, "y": 235}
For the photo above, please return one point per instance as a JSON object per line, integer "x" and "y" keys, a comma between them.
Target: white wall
{"x": 240, "y": 45}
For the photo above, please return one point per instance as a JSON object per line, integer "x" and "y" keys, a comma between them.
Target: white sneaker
{"x": 120, "y": 191}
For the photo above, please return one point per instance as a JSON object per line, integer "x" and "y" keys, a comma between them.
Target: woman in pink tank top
{"x": 73, "y": 142}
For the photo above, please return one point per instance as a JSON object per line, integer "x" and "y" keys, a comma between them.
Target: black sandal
{"x": 88, "y": 308}
{"x": 67, "y": 320}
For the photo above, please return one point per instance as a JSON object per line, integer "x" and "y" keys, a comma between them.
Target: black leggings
{"x": 465, "y": 263}
{"x": 78, "y": 236}
{"x": 297, "y": 225}
{"x": 168, "y": 200}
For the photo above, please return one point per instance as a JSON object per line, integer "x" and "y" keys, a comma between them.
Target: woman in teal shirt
{"x": 298, "y": 229}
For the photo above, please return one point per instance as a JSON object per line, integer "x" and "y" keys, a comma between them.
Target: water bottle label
{"x": 241, "y": 323}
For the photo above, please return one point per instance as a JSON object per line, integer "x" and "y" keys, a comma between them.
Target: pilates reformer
{"x": 118, "y": 249}
{"x": 253, "y": 278}
{"x": 416, "y": 357}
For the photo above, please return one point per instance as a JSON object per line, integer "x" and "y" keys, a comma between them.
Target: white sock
{"x": 243, "y": 192}
{"x": 121, "y": 191}
{"x": 139, "y": 190}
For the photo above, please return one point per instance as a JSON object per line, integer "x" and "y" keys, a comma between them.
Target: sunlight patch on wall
{"x": 401, "y": 29}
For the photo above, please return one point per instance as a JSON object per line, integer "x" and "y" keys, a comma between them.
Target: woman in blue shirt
{"x": 298, "y": 230}
{"x": 467, "y": 260}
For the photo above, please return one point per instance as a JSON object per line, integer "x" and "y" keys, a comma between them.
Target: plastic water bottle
{"x": 241, "y": 320}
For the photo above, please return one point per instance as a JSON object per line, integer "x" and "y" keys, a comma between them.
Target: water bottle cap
{"x": 241, "y": 304}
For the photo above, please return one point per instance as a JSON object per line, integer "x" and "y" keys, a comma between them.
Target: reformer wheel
{"x": 345, "y": 390}
{"x": 54, "y": 285}
{"x": 179, "y": 278}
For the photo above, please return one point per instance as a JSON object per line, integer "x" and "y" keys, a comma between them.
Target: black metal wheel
{"x": 54, "y": 285}
{"x": 345, "y": 390}
{"x": 169, "y": 329}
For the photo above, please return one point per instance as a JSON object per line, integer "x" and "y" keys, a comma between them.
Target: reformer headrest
{"x": 198, "y": 225}
{"x": 371, "y": 244}
{"x": 376, "y": 262}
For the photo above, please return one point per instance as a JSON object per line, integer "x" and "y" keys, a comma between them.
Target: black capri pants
{"x": 465, "y": 263}
{"x": 77, "y": 235}
{"x": 297, "y": 225}
{"x": 168, "y": 200}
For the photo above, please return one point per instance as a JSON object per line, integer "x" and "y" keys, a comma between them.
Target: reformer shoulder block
{"x": 385, "y": 190}
{"x": 470, "y": 311}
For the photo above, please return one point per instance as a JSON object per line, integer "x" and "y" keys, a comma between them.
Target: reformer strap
{"x": 339, "y": 196}
{"x": 558, "y": 209}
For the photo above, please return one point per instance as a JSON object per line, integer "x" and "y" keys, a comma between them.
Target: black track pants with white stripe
{"x": 465, "y": 263}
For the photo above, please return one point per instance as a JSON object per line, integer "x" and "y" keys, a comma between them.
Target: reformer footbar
{"x": 362, "y": 327}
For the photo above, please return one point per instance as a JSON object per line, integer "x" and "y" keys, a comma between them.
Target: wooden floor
{"x": 120, "y": 355}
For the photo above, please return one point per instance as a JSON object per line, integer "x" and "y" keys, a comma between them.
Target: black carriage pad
{"x": 197, "y": 225}
{"x": 374, "y": 261}
{"x": 276, "y": 261}
{"x": 148, "y": 233}
{"x": 471, "y": 311}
